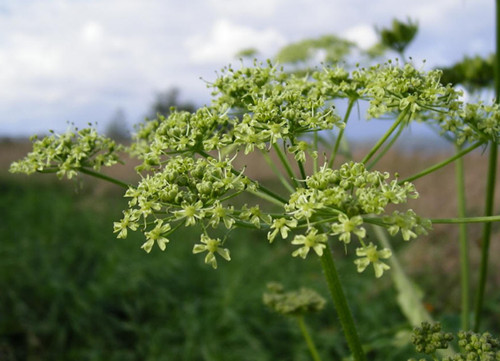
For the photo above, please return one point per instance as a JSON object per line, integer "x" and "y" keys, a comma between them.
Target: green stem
{"x": 484, "y": 219}
{"x": 485, "y": 245}
{"x": 103, "y": 177}
{"x": 286, "y": 164}
{"x": 341, "y": 133}
{"x": 278, "y": 174}
{"x": 302, "y": 170}
{"x": 386, "y": 148}
{"x": 463, "y": 242}
{"x": 308, "y": 339}
{"x": 268, "y": 197}
{"x": 387, "y": 134}
{"x": 409, "y": 297}
{"x": 315, "y": 143}
{"x": 340, "y": 303}
{"x": 443, "y": 163}
{"x": 490, "y": 190}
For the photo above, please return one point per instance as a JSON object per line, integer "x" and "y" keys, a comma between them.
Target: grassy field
{"x": 70, "y": 291}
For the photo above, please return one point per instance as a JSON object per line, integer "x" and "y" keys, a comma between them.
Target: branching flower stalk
{"x": 188, "y": 177}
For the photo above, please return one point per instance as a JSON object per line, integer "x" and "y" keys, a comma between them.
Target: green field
{"x": 69, "y": 290}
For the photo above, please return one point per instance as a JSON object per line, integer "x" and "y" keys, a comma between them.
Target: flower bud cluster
{"x": 428, "y": 338}
{"x": 473, "y": 346}
{"x": 67, "y": 153}
{"x": 477, "y": 347}
{"x": 292, "y": 303}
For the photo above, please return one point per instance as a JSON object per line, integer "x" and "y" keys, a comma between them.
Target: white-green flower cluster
{"x": 469, "y": 122}
{"x": 408, "y": 223}
{"x": 185, "y": 192}
{"x": 390, "y": 87}
{"x": 187, "y": 177}
{"x": 254, "y": 109}
{"x": 351, "y": 190}
{"x": 66, "y": 154}
{"x": 336, "y": 200}
{"x": 181, "y": 133}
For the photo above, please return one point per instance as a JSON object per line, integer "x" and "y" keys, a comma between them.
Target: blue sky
{"x": 81, "y": 60}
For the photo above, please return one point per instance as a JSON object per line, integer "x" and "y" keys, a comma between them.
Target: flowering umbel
{"x": 188, "y": 176}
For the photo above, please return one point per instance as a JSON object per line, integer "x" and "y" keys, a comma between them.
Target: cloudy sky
{"x": 81, "y": 60}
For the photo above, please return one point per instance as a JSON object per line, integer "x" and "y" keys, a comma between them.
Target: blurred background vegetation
{"x": 69, "y": 290}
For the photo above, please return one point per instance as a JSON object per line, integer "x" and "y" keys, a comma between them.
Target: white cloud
{"x": 363, "y": 35}
{"x": 254, "y": 8}
{"x": 81, "y": 59}
{"x": 226, "y": 39}
{"x": 91, "y": 32}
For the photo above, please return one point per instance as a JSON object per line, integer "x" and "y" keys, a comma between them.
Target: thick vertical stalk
{"x": 341, "y": 306}
{"x": 485, "y": 244}
{"x": 463, "y": 243}
{"x": 490, "y": 190}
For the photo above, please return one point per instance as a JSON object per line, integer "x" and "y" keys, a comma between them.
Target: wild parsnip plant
{"x": 188, "y": 176}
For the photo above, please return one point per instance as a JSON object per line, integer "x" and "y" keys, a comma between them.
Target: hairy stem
{"x": 340, "y": 303}
{"x": 307, "y": 337}
{"x": 103, "y": 177}
{"x": 490, "y": 190}
{"x": 485, "y": 245}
